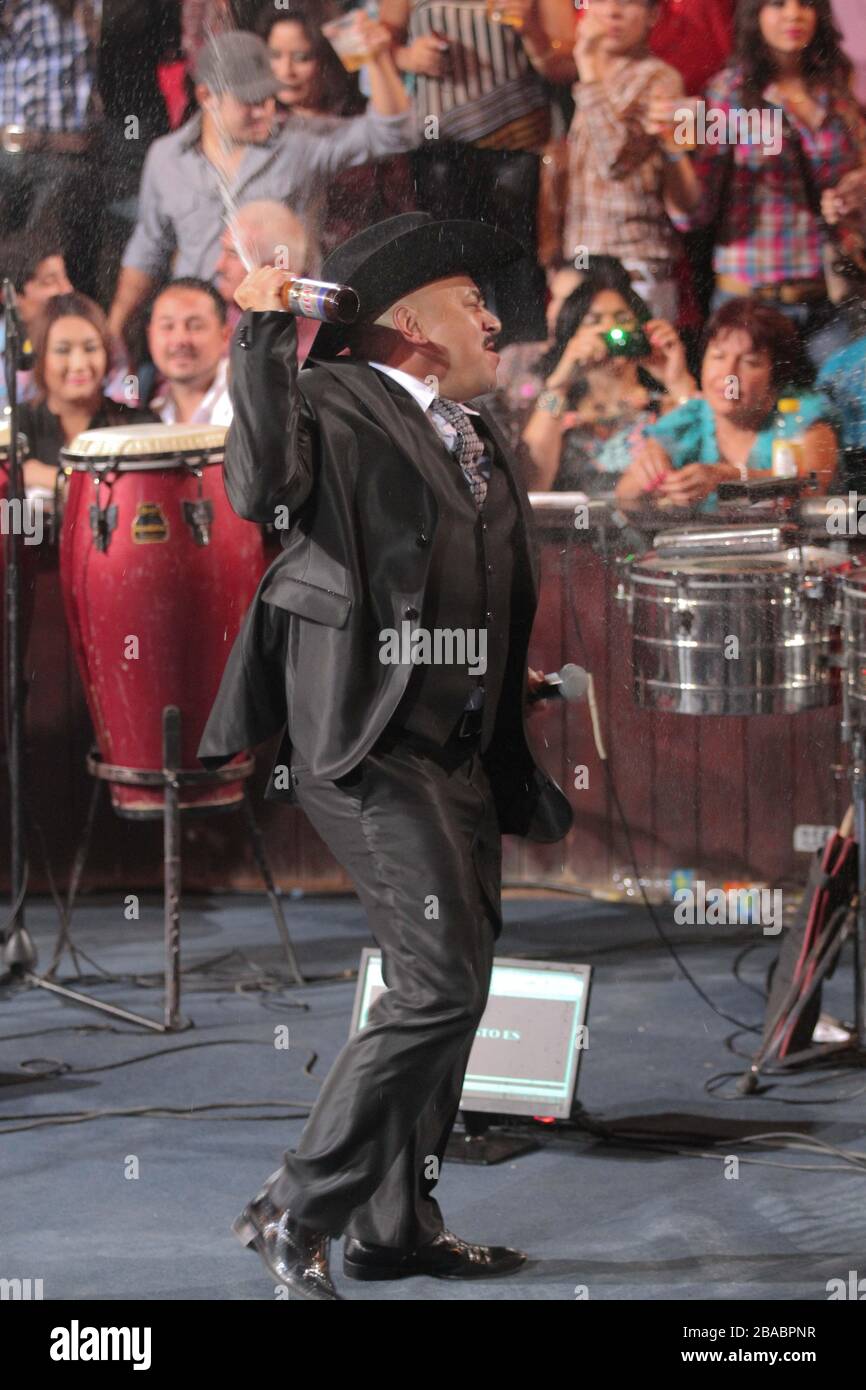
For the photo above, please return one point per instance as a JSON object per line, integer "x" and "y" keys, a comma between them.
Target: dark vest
{"x": 469, "y": 586}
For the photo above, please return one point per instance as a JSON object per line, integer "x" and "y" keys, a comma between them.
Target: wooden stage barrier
{"x": 719, "y": 795}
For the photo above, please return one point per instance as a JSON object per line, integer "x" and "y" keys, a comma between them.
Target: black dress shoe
{"x": 294, "y": 1256}
{"x": 446, "y": 1257}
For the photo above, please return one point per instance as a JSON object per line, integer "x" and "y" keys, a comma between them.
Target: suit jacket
{"x": 349, "y": 472}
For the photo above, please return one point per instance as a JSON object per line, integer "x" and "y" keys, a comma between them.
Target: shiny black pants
{"x": 417, "y": 831}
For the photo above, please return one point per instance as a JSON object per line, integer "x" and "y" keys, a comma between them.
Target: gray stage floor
{"x": 139, "y": 1206}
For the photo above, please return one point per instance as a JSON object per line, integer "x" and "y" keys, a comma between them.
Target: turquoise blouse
{"x": 688, "y": 434}
{"x": 844, "y": 376}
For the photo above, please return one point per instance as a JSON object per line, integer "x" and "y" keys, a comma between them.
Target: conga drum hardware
{"x": 107, "y": 454}
{"x": 198, "y": 516}
{"x": 198, "y": 512}
{"x": 103, "y": 520}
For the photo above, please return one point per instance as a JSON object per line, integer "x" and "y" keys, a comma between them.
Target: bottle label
{"x": 309, "y": 298}
{"x": 787, "y": 458}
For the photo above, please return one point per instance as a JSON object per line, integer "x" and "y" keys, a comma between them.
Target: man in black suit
{"x": 389, "y": 642}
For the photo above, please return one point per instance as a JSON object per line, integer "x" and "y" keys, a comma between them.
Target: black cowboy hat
{"x": 394, "y": 257}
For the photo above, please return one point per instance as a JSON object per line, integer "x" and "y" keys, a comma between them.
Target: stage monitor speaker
{"x": 527, "y": 1049}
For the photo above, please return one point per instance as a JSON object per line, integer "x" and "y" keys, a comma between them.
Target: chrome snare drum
{"x": 740, "y": 634}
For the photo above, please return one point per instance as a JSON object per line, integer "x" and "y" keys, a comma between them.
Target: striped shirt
{"x": 766, "y": 231}
{"x": 616, "y": 171}
{"x": 200, "y": 21}
{"x": 491, "y": 82}
{"x": 48, "y": 66}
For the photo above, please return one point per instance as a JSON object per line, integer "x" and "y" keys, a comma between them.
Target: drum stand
{"x": 825, "y": 953}
{"x": 170, "y": 779}
{"x": 19, "y": 953}
{"x": 858, "y": 787}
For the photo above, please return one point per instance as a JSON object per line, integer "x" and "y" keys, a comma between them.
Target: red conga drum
{"x": 157, "y": 573}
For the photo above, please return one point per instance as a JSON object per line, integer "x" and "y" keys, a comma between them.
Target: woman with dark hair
{"x": 72, "y": 348}
{"x": 518, "y": 381}
{"x": 314, "y": 80}
{"x": 753, "y": 357}
{"x": 795, "y": 154}
{"x": 35, "y": 267}
{"x": 591, "y": 395}
{"x": 316, "y": 85}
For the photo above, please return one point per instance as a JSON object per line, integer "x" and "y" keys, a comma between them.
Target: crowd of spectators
{"x": 689, "y": 174}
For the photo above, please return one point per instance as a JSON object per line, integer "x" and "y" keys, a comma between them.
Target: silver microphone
{"x": 571, "y": 683}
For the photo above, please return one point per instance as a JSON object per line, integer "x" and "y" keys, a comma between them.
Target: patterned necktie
{"x": 468, "y": 448}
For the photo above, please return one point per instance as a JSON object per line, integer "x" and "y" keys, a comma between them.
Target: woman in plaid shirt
{"x": 765, "y": 195}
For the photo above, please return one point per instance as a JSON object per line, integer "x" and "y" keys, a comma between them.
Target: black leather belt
{"x": 458, "y": 742}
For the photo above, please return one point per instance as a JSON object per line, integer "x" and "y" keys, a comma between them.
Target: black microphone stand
{"x": 19, "y": 953}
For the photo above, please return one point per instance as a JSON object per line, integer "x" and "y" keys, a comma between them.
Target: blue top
{"x": 688, "y": 434}
{"x": 843, "y": 377}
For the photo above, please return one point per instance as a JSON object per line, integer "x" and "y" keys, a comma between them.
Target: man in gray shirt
{"x": 228, "y": 155}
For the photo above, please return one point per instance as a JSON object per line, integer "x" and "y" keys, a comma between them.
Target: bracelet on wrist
{"x": 742, "y": 469}
{"x": 674, "y": 156}
{"x": 552, "y": 401}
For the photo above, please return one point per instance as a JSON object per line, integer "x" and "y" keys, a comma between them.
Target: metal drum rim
{"x": 656, "y": 568}
{"x": 173, "y": 461}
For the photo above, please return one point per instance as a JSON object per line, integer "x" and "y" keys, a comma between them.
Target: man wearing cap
{"x": 401, "y": 511}
{"x": 228, "y": 154}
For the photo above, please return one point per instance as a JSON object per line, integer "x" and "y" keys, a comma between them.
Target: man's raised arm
{"x": 268, "y": 461}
